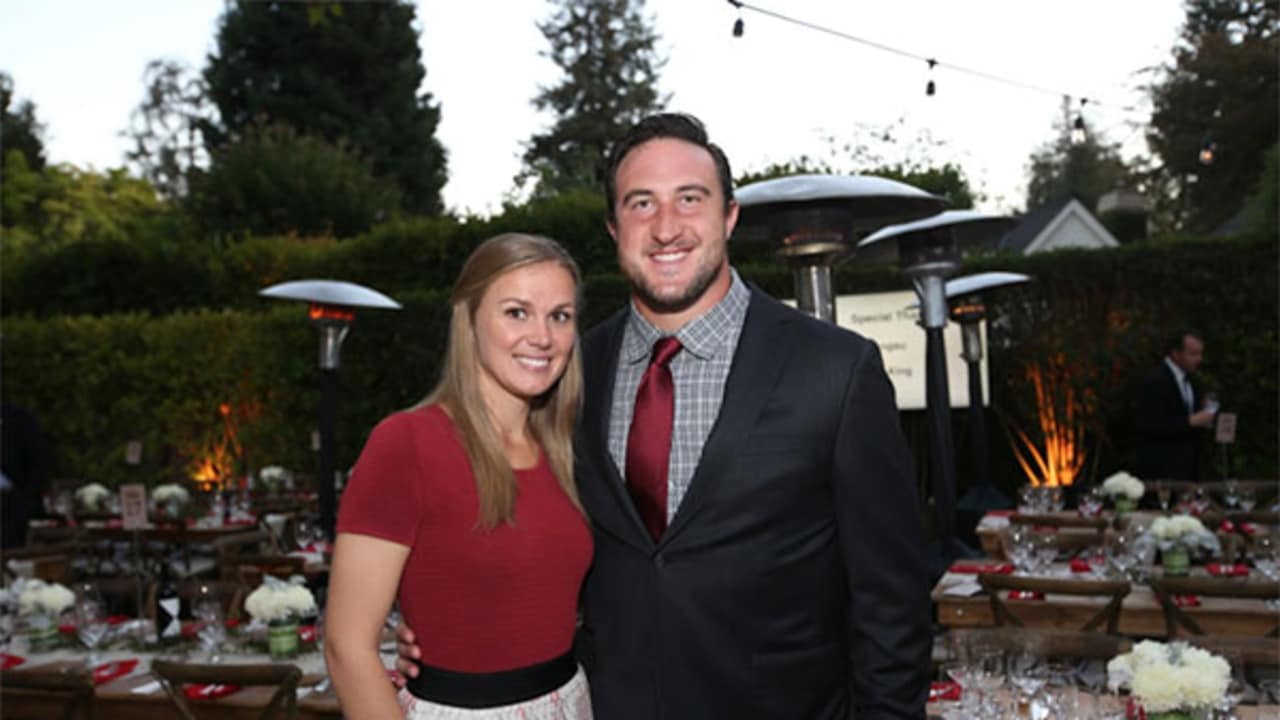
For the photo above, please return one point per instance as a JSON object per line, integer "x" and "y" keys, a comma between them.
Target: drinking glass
{"x": 1026, "y": 672}
{"x": 1057, "y": 500}
{"x": 989, "y": 673}
{"x": 302, "y": 533}
{"x": 1230, "y": 492}
{"x": 1046, "y": 551}
{"x": 1164, "y": 493}
{"x": 1091, "y": 502}
{"x": 91, "y": 620}
{"x": 962, "y": 673}
{"x": 1248, "y": 498}
{"x": 206, "y": 608}
{"x": 1120, "y": 553}
{"x": 1200, "y": 500}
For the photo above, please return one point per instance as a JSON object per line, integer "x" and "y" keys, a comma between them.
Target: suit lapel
{"x": 757, "y": 363}
{"x": 600, "y": 366}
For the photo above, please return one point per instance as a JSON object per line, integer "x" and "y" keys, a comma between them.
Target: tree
{"x": 1075, "y": 162}
{"x": 1218, "y": 94}
{"x": 337, "y": 71}
{"x": 165, "y": 127}
{"x": 276, "y": 181}
{"x": 19, "y": 129}
{"x": 605, "y": 49}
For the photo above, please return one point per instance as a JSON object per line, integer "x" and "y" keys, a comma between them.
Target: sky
{"x": 777, "y": 92}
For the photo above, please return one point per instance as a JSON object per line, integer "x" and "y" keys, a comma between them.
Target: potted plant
{"x": 1178, "y": 537}
{"x": 1125, "y": 491}
{"x": 280, "y": 604}
{"x": 1172, "y": 681}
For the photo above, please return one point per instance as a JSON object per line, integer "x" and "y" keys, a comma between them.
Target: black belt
{"x": 484, "y": 690}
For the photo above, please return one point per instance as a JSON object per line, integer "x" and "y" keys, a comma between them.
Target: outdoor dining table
{"x": 961, "y": 604}
{"x": 1106, "y": 706}
{"x": 139, "y": 696}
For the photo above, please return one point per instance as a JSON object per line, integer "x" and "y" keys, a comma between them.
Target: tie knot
{"x": 665, "y": 349}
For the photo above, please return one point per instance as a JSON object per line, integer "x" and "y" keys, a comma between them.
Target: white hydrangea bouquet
{"x": 1171, "y": 681}
{"x": 91, "y": 496}
{"x": 170, "y": 493}
{"x": 280, "y": 604}
{"x": 1179, "y": 536}
{"x": 41, "y": 603}
{"x": 1125, "y": 490}
{"x": 274, "y": 478}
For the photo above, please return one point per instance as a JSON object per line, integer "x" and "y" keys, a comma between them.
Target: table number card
{"x": 133, "y": 506}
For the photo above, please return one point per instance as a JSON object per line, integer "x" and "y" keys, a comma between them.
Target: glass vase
{"x": 282, "y": 639}
{"x": 1123, "y": 505}
{"x": 1176, "y": 562}
{"x": 42, "y": 632}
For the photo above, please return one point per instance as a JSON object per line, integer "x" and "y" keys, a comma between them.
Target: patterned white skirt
{"x": 571, "y": 701}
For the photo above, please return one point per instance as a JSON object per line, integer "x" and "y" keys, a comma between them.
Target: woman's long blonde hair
{"x": 553, "y": 414}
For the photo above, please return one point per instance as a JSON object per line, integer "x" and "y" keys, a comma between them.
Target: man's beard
{"x": 693, "y": 292}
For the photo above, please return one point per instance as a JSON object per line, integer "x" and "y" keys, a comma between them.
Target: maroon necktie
{"x": 649, "y": 440}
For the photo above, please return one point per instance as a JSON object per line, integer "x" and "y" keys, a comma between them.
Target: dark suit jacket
{"x": 1168, "y": 447}
{"x": 792, "y": 582}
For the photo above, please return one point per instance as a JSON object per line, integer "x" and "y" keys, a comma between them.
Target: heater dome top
{"x": 330, "y": 292}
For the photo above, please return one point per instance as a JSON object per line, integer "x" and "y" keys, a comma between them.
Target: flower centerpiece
{"x": 1172, "y": 682}
{"x": 1125, "y": 491}
{"x": 274, "y": 478}
{"x": 1177, "y": 537}
{"x": 41, "y": 603}
{"x": 90, "y": 496}
{"x": 172, "y": 497}
{"x": 280, "y": 604}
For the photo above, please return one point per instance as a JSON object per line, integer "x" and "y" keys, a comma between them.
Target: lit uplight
{"x": 1060, "y": 419}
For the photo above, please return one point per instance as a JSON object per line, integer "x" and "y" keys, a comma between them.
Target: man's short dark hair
{"x": 1175, "y": 340}
{"x": 678, "y": 126}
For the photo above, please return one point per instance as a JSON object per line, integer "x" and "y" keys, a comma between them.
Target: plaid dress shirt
{"x": 699, "y": 371}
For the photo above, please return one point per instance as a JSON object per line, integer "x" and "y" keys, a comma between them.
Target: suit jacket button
{"x": 659, "y": 561}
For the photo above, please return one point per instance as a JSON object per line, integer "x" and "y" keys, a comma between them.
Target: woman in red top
{"x": 464, "y": 509}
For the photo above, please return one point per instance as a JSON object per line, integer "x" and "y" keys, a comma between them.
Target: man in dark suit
{"x": 1171, "y": 413}
{"x": 776, "y": 570}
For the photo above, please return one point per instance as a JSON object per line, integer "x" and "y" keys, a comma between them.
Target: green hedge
{"x": 95, "y": 382}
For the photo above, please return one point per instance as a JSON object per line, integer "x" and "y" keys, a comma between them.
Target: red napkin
{"x": 209, "y": 692}
{"x": 67, "y": 628}
{"x": 233, "y": 622}
{"x": 1133, "y": 710}
{"x": 1025, "y": 595}
{"x": 115, "y": 523}
{"x": 242, "y": 522}
{"x": 1080, "y": 565}
{"x": 117, "y": 619}
{"x": 975, "y": 568}
{"x": 107, "y": 672}
{"x": 1246, "y": 528}
{"x": 10, "y": 661}
{"x": 1223, "y": 570}
{"x": 944, "y": 690}
{"x": 1186, "y": 600}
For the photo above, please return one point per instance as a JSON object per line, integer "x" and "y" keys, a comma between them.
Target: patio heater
{"x": 332, "y": 309}
{"x": 928, "y": 252}
{"x": 813, "y": 220}
{"x": 965, "y": 296}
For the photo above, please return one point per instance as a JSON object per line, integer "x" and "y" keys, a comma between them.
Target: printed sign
{"x": 133, "y": 506}
{"x": 1225, "y": 432}
{"x": 133, "y": 452}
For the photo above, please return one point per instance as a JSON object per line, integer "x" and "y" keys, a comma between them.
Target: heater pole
{"x": 324, "y": 475}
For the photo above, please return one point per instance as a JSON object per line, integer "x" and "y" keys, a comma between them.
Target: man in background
{"x": 1172, "y": 414}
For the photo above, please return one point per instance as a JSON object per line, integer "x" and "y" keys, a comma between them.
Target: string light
{"x": 737, "y": 24}
{"x": 930, "y": 88}
{"x": 1207, "y": 150}
{"x": 1077, "y": 127}
{"x": 739, "y": 4}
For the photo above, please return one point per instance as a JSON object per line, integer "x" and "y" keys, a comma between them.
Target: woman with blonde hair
{"x": 463, "y": 508}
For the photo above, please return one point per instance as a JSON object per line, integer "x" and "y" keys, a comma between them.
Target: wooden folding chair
{"x": 1059, "y": 521}
{"x": 1047, "y": 643}
{"x": 1115, "y": 590}
{"x": 1167, "y": 588}
{"x": 38, "y": 694}
{"x": 174, "y": 675}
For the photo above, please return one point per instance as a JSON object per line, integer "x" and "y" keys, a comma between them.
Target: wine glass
{"x": 91, "y": 620}
{"x": 206, "y": 608}
{"x": 1248, "y": 498}
{"x": 303, "y": 533}
{"x": 1164, "y": 494}
{"x": 1231, "y": 492}
{"x": 1046, "y": 551}
{"x": 989, "y": 673}
{"x": 1026, "y": 673}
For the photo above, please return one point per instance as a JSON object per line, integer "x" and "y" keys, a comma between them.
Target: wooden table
{"x": 117, "y": 699}
{"x": 1140, "y": 614}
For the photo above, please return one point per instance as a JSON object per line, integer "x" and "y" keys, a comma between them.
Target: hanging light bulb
{"x": 930, "y": 88}
{"x": 1207, "y": 150}
{"x": 1077, "y": 127}
{"x": 737, "y": 27}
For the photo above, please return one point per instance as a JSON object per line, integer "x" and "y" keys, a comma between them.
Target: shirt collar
{"x": 1178, "y": 373}
{"x": 704, "y": 336}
